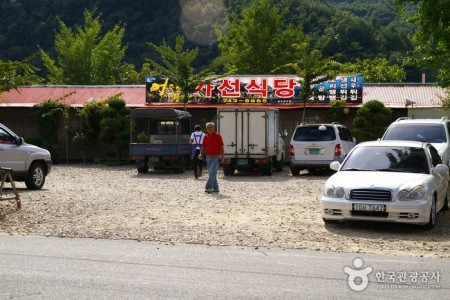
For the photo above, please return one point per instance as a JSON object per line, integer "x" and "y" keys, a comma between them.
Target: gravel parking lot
{"x": 251, "y": 210}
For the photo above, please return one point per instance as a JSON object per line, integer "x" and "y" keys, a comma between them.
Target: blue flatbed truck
{"x": 160, "y": 139}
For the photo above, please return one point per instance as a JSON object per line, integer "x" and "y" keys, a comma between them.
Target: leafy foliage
{"x": 311, "y": 67}
{"x": 84, "y": 57}
{"x": 350, "y": 29}
{"x": 375, "y": 70}
{"x": 258, "y": 41}
{"x": 90, "y": 118}
{"x": 177, "y": 64}
{"x": 432, "y": 36}
{"x": 115, "y": 126}
{"x": 371, "y": 121}
{"x": 336, "y": 111}
{"x": 51, "y": 114}
{"x": 14, "y": 74}
{"x": 81, "y": 142}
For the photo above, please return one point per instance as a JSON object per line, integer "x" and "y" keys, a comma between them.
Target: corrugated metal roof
{"x": 392, "y": 95}
{"x": 424, "y": 95}
{"x": 134, "y": 95}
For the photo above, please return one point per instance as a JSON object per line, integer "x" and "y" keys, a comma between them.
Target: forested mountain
{"x": 353, "y": 29}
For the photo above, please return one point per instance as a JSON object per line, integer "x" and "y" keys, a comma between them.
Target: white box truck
{"x": 252, "y": 139}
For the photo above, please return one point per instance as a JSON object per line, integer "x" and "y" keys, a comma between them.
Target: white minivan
{"x": 315, "y": 146}
{"x": 29, "y": 163}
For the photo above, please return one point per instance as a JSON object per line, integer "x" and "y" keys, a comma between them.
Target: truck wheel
{"x": 295, "y": 171}
{"x": 143, "y": 169}
{"x": 179, "y": 166}
{"x": 280, "y": 164}
{"x": 228, "y": 171}
{"x": 36, "y": 176}
{"x": 268, "y": 170}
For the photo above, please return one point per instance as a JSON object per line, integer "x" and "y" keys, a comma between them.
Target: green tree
{"x": 115, "y": 126}
{"x": 432, "y": 36}
{"x": 371, "y": 121}
{"x": 14, "y": 74}
{"x": 350, "y": 37}
{"x": 258, "y": 41}
{"x": 84, "y": 56}
{"x": 375, "y": 70}
{"x": 52, "y": 116}
{"x": 90, "y": 118}
{"x": 177, "y": 64}
{"x": 336, "y": 112}
{"x": 312, "y": 68}
{"x": 129, "y": 75}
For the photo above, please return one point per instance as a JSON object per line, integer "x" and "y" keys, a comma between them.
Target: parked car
{"x": 315, "y": 146}
{"x": 434, "y": 131}
{"x": 29, "y": 163}
{"x": 388, "y": 181}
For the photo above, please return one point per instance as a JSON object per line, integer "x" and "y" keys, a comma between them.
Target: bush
{"x": 371, "y": 121}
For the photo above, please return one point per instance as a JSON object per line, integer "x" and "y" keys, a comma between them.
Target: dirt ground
{"x": 279, "y": 211}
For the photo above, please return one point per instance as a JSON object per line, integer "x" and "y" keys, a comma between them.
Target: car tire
{"x": 432, "y": 220}
{"x": 280, "y": 164}
{"x": 228, "y": 171}
{"x": 295, "y": 171}
{"x": 329, "y": 221}
{"x": 143, "y": 170}
{"x": 268, "y": 170}
{"x": 446, "y": 206}
{"x": 36, "y": 176}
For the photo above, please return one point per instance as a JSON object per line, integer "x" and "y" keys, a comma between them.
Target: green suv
{"x": 29, "y": 163}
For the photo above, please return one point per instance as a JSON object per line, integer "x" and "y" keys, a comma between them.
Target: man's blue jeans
{"x": 212, "y": 163}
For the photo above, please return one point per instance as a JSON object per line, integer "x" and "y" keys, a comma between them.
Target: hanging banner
{"x": 256, "y": 89}
{"x": 348, "y": 88}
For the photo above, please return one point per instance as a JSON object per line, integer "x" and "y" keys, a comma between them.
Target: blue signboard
{"x": 348, "y": 88}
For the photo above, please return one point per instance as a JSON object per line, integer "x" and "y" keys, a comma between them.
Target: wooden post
{"x": 5, "y": 174}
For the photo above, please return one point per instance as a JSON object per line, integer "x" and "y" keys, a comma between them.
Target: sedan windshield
{"x": 387, "y": 159}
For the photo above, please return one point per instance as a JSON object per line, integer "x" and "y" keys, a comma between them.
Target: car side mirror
{"x": 284, "y": 133}
{"x": 19, "y": 141}
{"x": 335, "y": 165}
{"x": 440, "y": 168}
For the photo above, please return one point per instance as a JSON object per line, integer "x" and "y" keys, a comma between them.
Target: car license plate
{"x": 313, "y": 151}
{"x": 153, "y": 159}
{"x": 242, "y": 162}
{"x": 369, "y": 207}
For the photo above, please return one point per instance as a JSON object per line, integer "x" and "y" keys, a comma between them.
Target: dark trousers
{"x": 197, "y": 164}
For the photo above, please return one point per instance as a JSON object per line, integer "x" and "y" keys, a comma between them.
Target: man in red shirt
{"x": 213, "y": 148}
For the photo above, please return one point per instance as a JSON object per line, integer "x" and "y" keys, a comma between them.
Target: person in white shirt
{"x": 196, "y": 140}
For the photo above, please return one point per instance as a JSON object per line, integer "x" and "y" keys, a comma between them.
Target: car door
{"x": 11, "y": 154}
{"x": 347, "y": 142}
{"x": 442, "y": 178}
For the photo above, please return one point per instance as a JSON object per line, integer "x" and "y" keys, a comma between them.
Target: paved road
{"x": 54, "y": 268}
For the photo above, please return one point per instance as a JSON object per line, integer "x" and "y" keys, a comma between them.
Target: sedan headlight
{"x": 335, "y": 192}
{"x": 415, "y": 193}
